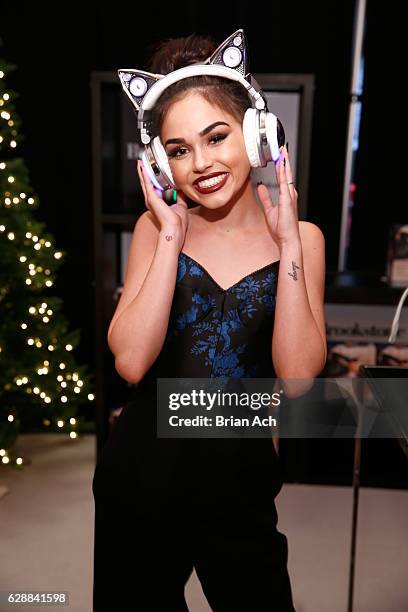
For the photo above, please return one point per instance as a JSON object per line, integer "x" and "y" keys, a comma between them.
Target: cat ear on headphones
{"x": 136, "y": 84}
{"x": 232, "y": 53}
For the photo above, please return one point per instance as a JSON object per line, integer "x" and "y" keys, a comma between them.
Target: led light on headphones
{"x": 138, "y": 87}
{"x": 232, "y": 57}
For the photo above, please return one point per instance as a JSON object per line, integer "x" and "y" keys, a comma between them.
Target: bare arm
{"x": 299, "y": 337}
{"x": 138, "y": 328}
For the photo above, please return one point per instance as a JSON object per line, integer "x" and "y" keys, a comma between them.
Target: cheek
{"x": 178, "y": 176}
{"x": 236, "y": 155}
{"x": 237, "y": 160}
{"x": 179, "y": 172}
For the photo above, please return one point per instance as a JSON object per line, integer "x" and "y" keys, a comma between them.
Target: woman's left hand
{"x": 282, "y": 219}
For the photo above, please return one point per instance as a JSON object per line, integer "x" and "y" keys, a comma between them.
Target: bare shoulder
{"x": 148, "y": 221}
{"x": 310, "y": 232}
{"x": 313, "y": 245}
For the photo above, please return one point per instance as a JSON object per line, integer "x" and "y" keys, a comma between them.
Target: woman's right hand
{"x": 172, "y": 218}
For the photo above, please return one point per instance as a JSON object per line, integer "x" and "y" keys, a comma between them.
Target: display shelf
{"x": 360, "y": 288}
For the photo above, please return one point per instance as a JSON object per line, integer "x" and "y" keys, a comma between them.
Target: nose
{"x": 201, "y": 160}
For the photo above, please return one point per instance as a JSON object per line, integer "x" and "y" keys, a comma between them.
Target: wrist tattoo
{"x": 294, "y": 273}
{"x": 169, "y": 237}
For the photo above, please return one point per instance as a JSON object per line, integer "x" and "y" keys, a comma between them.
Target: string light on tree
{"x": 35, "y": 340}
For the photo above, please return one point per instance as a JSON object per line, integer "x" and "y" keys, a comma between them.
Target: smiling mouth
{"x": 212, "y": 184}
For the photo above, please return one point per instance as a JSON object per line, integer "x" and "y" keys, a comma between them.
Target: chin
{"x": 218, "y": 198}
{"x": 215, "y": 203}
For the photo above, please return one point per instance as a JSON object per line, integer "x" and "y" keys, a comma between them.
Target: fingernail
{"x": 170, "y": 196}
{"x": 287, "y": 146}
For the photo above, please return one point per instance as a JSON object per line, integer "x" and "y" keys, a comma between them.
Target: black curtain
{"x": 380, "y": 197}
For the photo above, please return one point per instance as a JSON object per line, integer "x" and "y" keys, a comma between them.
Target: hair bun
{"x": 176, "y": 53}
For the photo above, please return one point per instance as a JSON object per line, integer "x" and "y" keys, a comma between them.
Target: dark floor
{"x": 46, "y": 540}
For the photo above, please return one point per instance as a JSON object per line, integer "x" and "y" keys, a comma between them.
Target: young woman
{"x": 230, "y": 287}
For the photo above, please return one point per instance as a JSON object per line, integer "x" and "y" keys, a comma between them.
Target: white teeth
{"x": 212, "y": 181}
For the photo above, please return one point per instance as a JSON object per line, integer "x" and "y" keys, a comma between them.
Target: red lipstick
{"x": 212, "y": 188}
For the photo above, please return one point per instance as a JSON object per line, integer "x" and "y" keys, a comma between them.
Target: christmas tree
{"x": 41, "y": 386}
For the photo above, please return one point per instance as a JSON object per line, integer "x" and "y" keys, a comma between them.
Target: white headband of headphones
{"x": 196, "y": 70}
{"x": 144, "y": 88}
{"x": 158, "y": 88}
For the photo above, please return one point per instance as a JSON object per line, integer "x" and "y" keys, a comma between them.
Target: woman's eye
{"x": 177, "y": 152}
{"x": 218, "y": 138}
{"x": 181, "y": 151}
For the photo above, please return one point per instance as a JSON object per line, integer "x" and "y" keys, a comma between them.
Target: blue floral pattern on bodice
{"x": 226, "y": 328}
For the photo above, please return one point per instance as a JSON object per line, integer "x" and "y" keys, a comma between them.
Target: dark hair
{"x": 176, "y": 53}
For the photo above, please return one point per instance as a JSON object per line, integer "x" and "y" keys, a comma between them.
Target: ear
{"x": 232, "y": 53}
{"x": 136, "y": 84}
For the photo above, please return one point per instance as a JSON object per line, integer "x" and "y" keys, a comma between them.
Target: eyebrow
{"x": 202, "y": 133}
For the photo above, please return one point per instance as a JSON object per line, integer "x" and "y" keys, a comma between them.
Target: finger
{"x": 141, "y": 179}
{"x": 142, "y": 184}
{"x": 277, "y": 165}
{"x": 181, "y": 209}
{"x": 152, "y": 194}
{"x": 148, "y": 185}
{"x": 265, "y": 198}
{"x": 288, "y": 170}
{"x": 283, "y": 181}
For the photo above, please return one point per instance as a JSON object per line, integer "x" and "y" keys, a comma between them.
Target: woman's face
{"x": 206, "y": 151}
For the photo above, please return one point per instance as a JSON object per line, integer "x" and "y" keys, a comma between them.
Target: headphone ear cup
{"x": 271, "y": 130}
{"x": 162, "y": 161}
{"x": 147, "y": 158}
{"x": 250, "y": 131}
{"x": 262, "y": 150}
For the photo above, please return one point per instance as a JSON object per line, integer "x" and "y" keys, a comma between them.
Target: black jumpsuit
{"x": 164, "y": 506}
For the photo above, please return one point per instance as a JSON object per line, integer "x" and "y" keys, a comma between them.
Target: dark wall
{"x": 56, "y": 48}
{"x": 380, "y": 198}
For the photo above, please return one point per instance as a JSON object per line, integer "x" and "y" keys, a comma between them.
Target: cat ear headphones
{"x": 262, "y": 130}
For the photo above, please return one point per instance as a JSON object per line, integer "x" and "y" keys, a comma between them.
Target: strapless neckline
{"x": 244, "y": 278}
